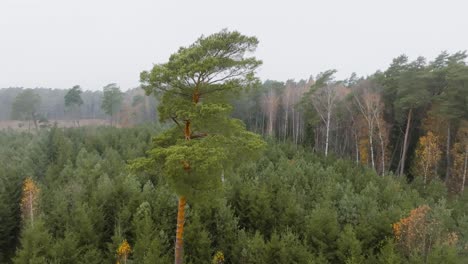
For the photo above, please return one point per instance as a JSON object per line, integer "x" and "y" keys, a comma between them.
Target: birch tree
{"x": 427, "y": 156}
{"x": 270, "y": 103}
{"x": 29, "y": 200}
{"x": 368, "y": 101}
{"x": 324, "y": 95}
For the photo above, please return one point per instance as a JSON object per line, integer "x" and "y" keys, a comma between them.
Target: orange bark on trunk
{"x": 196, "y": 97}
{"x": 179, "y": 246}
{"x": 187, "y": 131}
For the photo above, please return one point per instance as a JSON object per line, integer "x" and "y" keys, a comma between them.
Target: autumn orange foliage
{"x": 418, "y": 232}
{"x": 407, "y": 229}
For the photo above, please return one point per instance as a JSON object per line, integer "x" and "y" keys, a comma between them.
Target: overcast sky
{"x": 60, "y": 43}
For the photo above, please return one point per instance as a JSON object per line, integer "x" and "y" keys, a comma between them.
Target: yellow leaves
{"x": 123, "y": 252}
{"x": 218, "y": 258}
{"x": 364, "y": 151}
{"x": 29, "y": 187}
{"x": 452, "y": 239}
{"x": 124, "y": 249}
{"x": 428, "y": 155}
{"x": 29, "y": 199}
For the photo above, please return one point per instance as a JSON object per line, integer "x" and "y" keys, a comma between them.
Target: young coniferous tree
{"x": 195, "y": 88}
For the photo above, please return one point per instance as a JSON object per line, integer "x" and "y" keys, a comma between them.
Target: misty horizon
{"x": 53, "y": 44}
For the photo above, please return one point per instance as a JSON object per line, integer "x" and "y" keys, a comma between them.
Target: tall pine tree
{"x": 195, "y": 87}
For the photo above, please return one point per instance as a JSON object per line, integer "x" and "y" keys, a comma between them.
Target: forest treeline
{"x": 68, "y": 197}
{"x": 411, "y": 118}
{"x": 51, "y": 105}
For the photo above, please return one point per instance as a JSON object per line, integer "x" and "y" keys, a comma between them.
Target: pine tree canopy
{"x": 73, "y": 97}
{"x": 195, "y": 87}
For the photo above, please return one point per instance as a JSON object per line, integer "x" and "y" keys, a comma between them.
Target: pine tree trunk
{"x": 35, "y": 121}
{"x": 464, "y": 170}
{"x": 316, "y": 140}
{"x": 327, "y": 132}
{"x": 405, "y": 142}
{"x": 286, "y": 122}
{"x": 447, "y": 171}
{"x": 263, "y": 124}
{"x": 357, "y": 147}
{"x": 300, "y": 127}
{"x": 256, "y": 124}
{"x": 179, "y": 245}
{"x": 270, "y": 123}
{"x": 293, "y": 126}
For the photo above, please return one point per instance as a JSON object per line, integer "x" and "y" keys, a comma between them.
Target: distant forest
{"x": 52, "y": 104}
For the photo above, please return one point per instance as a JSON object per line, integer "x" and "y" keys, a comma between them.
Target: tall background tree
{"x": 367, "y": 98}
{"x": 111, "y": 100}
{"x": 26, "y": 107}
{"x": 195, "y": 87}
{"x": 73, "y": 102}
{"x": 324, "y": 96}
{"x": 411, "y": 94}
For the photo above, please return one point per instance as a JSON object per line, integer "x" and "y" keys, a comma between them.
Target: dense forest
{"x": 229, "y": 169}
{"x": 383, "y": 120}
{"x": 291, "y": 206}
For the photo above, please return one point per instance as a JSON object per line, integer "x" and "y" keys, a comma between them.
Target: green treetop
{"x": 26, "y": 106}
{"x": 454, "y": 98}
{"x": 196, "y": 86}
{"x": 73, "y": 97}
{"x": 73, "y": 101}
{"x": 112, "y": 100}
